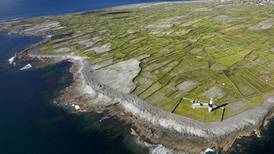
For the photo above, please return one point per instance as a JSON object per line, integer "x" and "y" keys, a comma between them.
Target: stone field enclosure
{"x": 194, "y": 51}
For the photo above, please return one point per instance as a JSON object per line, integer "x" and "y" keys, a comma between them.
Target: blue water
{"x": 11, "y": 9}
{"x": 254, "y": 145}
{"x": 31, "y": 124}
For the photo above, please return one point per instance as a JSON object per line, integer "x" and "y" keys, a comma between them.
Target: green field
{"x": 229, "y": 46}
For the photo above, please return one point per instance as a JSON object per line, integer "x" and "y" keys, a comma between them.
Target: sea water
{"x": 13, "y": 9}
{"x": 30, "y": 123}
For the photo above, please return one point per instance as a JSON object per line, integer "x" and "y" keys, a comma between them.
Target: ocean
{"x": 31, "y": 124}
{"x": 14, "y": 9}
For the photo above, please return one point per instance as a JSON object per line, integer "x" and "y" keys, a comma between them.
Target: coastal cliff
{"x": 98, "y": 67}
{"x": 158, "y": 126}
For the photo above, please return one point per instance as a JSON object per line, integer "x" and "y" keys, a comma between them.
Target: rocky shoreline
{"x": 168, "y": 129}
{"x": 150, "y": 123}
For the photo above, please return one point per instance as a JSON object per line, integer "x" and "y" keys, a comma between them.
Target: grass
{"x": 185, "y": 107}
{"x": 186, "y": 50}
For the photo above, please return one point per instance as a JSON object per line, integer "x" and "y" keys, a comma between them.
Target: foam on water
{"x": 154, "y": 148}
{"x": 28, "y": 66}
{"x": 11, "y": 60}
{"x": 160, "y": 149}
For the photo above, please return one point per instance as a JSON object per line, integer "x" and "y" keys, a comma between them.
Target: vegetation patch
{"x": 197, "y": 51}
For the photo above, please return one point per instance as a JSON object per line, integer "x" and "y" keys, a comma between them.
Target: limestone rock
{"x": 119, "y": 76}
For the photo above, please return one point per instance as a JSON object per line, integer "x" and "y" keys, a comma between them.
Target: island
{"x": 187, "y": 75}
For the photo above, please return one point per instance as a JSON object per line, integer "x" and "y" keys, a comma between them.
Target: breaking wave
{"x": 154, "y": 148}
